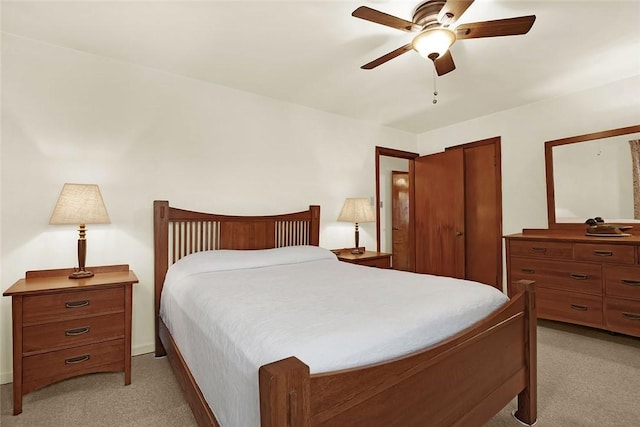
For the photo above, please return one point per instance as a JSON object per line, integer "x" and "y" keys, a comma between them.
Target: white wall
{"x": 523, "y": 132}
{"x": 143, "y": 134}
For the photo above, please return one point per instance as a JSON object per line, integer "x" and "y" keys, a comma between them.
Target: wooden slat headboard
{"x": 178, "y": 233}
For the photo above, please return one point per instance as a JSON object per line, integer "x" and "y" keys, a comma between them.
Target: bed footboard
{"x": 285, "y": 386}
{"x": 464, "y": 381}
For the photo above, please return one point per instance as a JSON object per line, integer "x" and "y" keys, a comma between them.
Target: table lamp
{"x": 356, "y": 210}
{"x": 80, "y": 204}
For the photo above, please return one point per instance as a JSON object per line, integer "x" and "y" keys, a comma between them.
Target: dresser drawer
{"x": 568, "y": 306}
{"x": 623, "y": 316}
{"x": 569, "y": 276}
{"x": 69, "y": 305}
{"x": 50, "y": 367}
{"x": 619, "y": 254}
{"x": 70, "y": 333}
{"x": 622, "y": 281}
{"x": 540, "y": 249}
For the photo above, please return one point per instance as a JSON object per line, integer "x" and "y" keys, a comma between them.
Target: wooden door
{"x": 439, "y": 211}
{"x": 483, "y": 212}
{"x": 400, "y": 220}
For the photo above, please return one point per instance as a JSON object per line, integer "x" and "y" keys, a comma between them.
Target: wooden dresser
{"x": 592, "y": 281}
{"x": 63, "y": 327}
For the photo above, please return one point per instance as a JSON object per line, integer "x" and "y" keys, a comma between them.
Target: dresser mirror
{"x": 591, "y": 175}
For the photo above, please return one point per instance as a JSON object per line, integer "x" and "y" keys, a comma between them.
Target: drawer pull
{"x": 78, "y": 359}
{"x": 631, "y": 316}
{"x": 575, "y": 276}
{"x": 603, "y": 253}
{"x": 539, "y": 250}
{"x": 529, "y": 270}
{"x": 579, "y": 307}
{"x": 77, "y": 331}
{"x": 76, "y": 304}
{"x": 630, "y": 282}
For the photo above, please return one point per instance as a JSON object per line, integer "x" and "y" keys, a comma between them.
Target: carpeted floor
{"x": 586, "y": 378}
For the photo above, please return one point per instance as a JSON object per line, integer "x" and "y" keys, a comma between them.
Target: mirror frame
{"x": 548, "y": 157}
{"x": 392, "y": 152}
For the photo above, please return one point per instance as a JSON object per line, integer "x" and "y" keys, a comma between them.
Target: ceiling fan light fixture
{"x": 432, "y": 43}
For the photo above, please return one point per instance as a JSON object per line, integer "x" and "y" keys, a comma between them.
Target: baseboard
{"x": 7, "y": 377}
{"x": 137, "y": 350}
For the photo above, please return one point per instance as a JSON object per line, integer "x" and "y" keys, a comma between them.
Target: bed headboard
{"x": 179, "y": 232}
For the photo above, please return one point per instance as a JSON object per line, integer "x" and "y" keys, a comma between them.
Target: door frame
{"x": 410, "y": 156}
{"x": 400, "y": 154}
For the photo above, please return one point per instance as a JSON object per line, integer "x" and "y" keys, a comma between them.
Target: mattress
{"x": 230, "y": 312}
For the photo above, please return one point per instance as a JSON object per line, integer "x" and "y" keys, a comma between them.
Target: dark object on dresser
{"x": 597, "y": 227}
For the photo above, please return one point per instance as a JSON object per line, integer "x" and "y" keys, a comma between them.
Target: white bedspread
{"x": 232, "y": 311}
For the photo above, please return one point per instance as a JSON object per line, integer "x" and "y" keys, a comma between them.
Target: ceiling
{"x": 310, "y": 52}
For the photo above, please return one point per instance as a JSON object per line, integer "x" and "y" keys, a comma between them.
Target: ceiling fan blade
{"x": 387, "y": 57}
{"x": 444, "y": 64}
{"x": 372, "y": 15}
{"x": 500, "y": 27}
{"x": 452, "y": 10}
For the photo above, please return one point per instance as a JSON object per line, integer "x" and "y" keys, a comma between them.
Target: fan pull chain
{"x": 435, "y": 89}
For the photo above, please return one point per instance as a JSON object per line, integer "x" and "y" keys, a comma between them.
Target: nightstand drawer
{"x": 47, "y": 368}
{"x": 623, "y": 316}
{"x": 376, "y": 262}
{"x": 367, "y": 258}
{"x": 619, "y": 254}
{"x": 69, "y": 305}
{"x": 622, "y": 281}
{"x": 70, "y": 333}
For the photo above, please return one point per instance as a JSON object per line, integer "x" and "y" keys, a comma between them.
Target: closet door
{"x": 483, "y": 218}
{"x": 440, "y": 214}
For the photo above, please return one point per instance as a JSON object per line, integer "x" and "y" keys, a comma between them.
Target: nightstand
{"x": 65, "y": 327}
{"x": 368, "y": 258}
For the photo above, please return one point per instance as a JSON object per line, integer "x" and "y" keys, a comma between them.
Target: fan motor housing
{"x": 426, "y": 14}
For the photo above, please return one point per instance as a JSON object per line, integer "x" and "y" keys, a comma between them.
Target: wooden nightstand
{"x": 63, "y": 327}
{"x": 371, "y": 259}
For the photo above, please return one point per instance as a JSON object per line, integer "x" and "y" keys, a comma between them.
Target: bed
{"x": 464, "y": 380}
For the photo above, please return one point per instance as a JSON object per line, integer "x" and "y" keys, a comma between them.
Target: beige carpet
{"x": 586, "y": 378}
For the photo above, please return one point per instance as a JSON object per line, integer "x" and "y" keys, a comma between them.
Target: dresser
{"x": 368, "y": 258}
{"x": 591, "y": 281}
{"x": 65, "y": 327}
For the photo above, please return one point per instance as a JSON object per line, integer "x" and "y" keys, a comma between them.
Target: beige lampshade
{"x": 356, "y": 210}
{"x": 80, "y": 204}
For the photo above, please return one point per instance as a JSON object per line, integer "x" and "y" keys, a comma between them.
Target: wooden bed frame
{"x": 463, "y": 381}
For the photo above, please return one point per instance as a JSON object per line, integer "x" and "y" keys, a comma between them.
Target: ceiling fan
{"x": 434, "y": 20}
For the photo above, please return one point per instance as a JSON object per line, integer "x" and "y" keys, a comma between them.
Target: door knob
{"x": 458, "y": 233}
